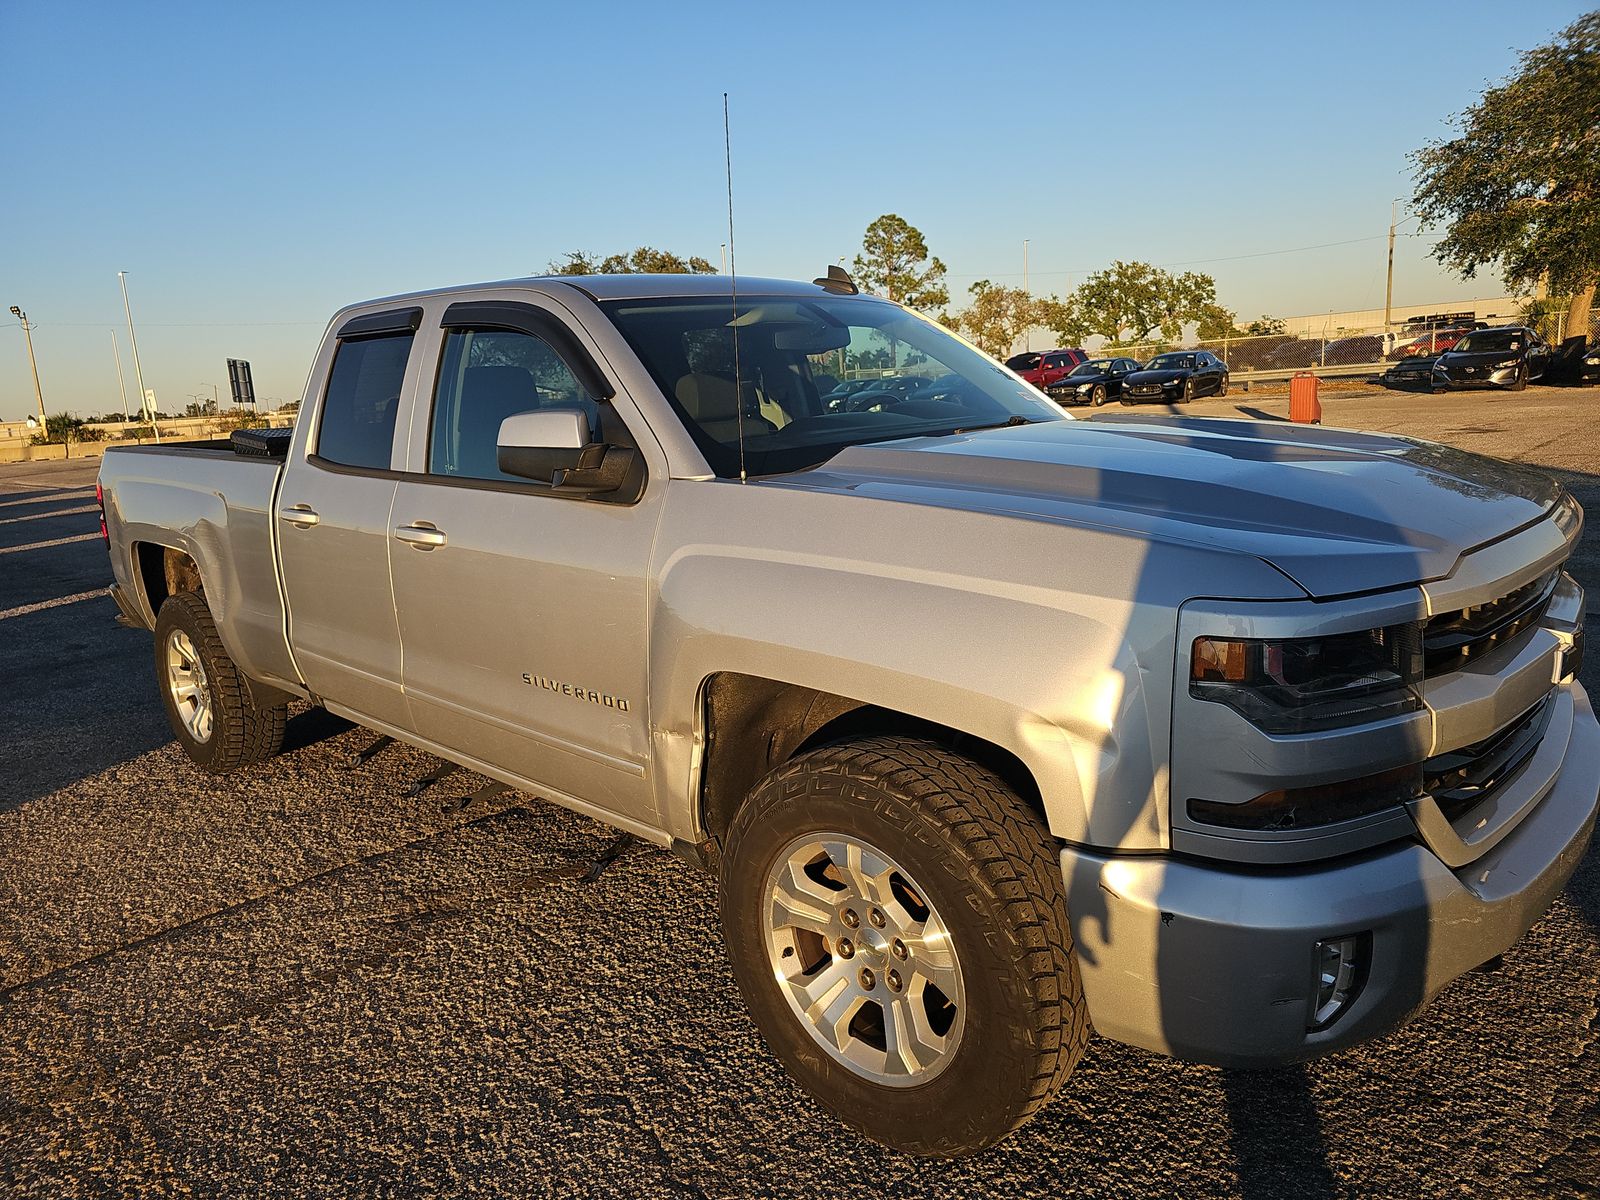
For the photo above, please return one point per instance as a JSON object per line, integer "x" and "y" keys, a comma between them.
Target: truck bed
{"x": 216, "y": 506}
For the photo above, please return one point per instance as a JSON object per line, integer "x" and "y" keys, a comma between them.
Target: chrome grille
{"x": 1451, "y": 640}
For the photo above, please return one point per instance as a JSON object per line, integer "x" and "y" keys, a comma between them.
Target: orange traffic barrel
{"x": 1304, "y": 406}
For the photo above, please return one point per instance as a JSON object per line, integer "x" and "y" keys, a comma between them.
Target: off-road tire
{"x": 244, "y": 731}
{"x": 988, "y": 865}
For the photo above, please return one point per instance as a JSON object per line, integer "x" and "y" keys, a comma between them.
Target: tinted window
{"x": 487, "y": 375}
{"x": 1505, "y": 340}
{"x": 358, "y": 412}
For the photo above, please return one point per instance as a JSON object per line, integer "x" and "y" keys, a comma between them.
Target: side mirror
{"x": 552, "y": 446}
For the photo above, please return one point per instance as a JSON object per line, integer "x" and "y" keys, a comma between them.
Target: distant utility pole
{"x": 1388, "y": 289}
{"x": 1027, "y": 334}
{"x": 27, "y": 333}
{"x": 155, "y": 425}
{"x": 122, "y": 384}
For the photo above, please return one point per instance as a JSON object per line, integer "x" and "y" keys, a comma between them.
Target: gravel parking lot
{"x": 299, "y": 981}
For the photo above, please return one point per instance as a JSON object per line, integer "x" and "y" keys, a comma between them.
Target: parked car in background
{"x": 1026, "y": 361}
{"x": 1093, "y": 382}
{"x": 1507, "y": 357}
{"x": 1415, "y": 371}
{"x": 1588, "y": 368}
{"x": 1352, "y": 351}
{"x": 1434, "y": 342}
{"x": 1052, "y": 367}
{"x": 1301, "y": 352}
{"x": 1180, "y": 375}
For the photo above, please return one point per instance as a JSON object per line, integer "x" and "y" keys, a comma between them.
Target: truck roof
{"x": 631, "y": 287}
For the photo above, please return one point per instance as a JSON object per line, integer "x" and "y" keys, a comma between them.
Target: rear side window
{"x": 487, "y": 375}
{"x": 358, "y": 412}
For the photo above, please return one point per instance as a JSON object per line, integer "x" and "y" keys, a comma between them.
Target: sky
{"x": 254, "y": 167}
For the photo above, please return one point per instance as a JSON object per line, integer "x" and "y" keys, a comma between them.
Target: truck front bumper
{"x": 1220, "y": 965}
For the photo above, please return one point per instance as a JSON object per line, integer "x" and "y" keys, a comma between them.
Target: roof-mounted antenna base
{"x": 838, "y": 282}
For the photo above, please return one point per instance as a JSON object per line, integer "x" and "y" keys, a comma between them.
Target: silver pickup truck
{"x": 1235, "y": 740}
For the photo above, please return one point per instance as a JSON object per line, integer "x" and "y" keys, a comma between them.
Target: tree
{"x": 998, "y": 316}
{"x": 894, "y": 260}
{"x": 646, "y": 260}
{"x": 1264, "y": 326}
{"x": 1127, "y": 303}
{"x": 1519, "y": 188}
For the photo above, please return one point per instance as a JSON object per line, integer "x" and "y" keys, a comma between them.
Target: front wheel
{"x": 211, "y": 709}
{"x": 1521, "y": 380}
{"x": 1097, "y": 395}
{"x": 1188, "y": 390}
{"x": 896, "y": 920}
{"x": 1222, "y": 388}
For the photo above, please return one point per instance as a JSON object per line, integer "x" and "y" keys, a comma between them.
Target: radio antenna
{"x": 733, "y": 280}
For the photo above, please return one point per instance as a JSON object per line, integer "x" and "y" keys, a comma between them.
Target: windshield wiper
{"x": 1008, "y": 423}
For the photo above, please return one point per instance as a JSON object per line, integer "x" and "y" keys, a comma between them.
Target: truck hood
{"x": 1337, "y": 511}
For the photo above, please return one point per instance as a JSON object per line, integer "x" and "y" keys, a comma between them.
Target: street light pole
{"x": 138, "y": 374}
{"x": 27, "y": 333}
{"x": 122, "y": 384}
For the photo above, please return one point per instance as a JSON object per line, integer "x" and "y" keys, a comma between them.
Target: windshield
{"x": 1489, "y": 340}
{"x": 1095, "y": 366}
{"x": 1170, "y": 362}
{"x": 792, "y": 393}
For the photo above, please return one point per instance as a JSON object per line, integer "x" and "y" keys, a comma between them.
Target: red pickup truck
{"x": 1044, "y": 367}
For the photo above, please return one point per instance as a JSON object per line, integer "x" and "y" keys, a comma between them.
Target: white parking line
{"x": 62, "y": 494}
{"x": 82, "y": 537}
{"x": 60, "y": 512}
{"x": 25, "y": 609}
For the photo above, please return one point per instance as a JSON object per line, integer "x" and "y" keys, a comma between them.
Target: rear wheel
{"x": 209, "y": 704}
{"x": 896, "y": 920}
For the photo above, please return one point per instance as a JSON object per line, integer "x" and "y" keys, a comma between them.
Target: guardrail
{"x": 1352, "y": 371}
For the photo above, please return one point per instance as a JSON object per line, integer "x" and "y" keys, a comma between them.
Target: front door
{"x": 523, "y": 612}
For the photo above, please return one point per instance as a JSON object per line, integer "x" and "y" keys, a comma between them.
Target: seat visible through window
{"x": 486, "y": 376}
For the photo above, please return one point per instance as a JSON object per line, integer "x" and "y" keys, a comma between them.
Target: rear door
{"x": 333, "y": 523}
{"x": 524, "y": 611}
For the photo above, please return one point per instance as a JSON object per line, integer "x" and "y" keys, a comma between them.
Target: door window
{"x": 363, "y": 396}
{"x": 485, "y": 376}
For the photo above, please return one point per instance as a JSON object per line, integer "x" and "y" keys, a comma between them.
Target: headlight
{"x": 1298, "y": 685}
{"x": 1171, "y": 382}
{"x": 1085, "y": 388}
{"x": 1510, "y": 362}
{"x": 1593, "y": 360}
{"x": 1568, "y": 515}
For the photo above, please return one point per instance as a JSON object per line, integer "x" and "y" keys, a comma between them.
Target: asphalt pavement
{"x": 300, "y": 981}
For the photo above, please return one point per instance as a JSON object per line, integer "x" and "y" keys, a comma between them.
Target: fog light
{"x": 1341, "y": 970}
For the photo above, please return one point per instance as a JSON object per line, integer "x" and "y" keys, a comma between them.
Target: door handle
{"x": 300, "y": 514}
{"x": 423, "y": 537}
